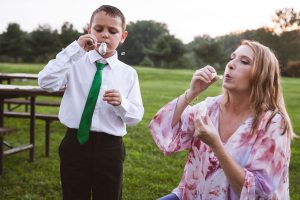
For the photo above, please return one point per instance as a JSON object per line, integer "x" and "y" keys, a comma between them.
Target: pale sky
{"x": 185, "y": 19}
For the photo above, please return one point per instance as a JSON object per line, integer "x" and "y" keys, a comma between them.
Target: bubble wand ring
{"x": 102, "y": 47}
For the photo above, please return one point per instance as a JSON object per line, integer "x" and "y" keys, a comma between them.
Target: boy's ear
{"x": 123, "y": 37}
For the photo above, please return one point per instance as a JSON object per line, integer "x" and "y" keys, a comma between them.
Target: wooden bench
{"x": 27, "y": 102}
{"x": 19, "y": 102}
{"x": 48, "y": 118}
{"x": 7, "y": 131}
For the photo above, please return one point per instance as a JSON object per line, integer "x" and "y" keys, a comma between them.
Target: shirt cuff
{"x": 121, "y": 109}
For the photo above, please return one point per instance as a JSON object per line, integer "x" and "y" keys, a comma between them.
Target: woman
{"x": 238, "y": 142}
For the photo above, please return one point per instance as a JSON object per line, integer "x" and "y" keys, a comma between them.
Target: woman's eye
{"x": 245, "y": 62}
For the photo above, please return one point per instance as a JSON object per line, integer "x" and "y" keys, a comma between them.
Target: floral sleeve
{"x": 178, "y": 138}
{"x": 267, "y": 167}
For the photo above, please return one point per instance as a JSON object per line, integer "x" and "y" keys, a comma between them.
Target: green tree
{"x": 286, "y": 19}
{"x": 44, "y": 43}
{"x": 288, "y": 48}
{"x": 12, "y": 43}
{"x": 166, "y": 51}
{"x": 141, "y": 36}
{"x": 208, "y": 51}
{"x": 68, "y": 34}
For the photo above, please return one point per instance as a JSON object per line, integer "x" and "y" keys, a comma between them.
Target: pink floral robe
{"x": 264, "y": 155}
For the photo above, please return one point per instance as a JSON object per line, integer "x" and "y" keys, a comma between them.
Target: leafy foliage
{"x": 208, "y": 51}
{"x": 286, "y": 19}
{"x": 150, "y": 43}
{"x": 13, "y": 43}
{"x": 165, "y": 51}
{"x": 43, "y": 42}
{"x": 67, "y": 34}
{"x": 141, "y": 36}
{"x": 293, "y": 68}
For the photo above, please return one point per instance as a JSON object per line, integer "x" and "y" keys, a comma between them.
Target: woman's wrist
{"x": 217, "y": 147}
{"x": 189, "y": 96}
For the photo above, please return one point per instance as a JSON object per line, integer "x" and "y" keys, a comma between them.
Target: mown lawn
{"x": 147, "y": 174}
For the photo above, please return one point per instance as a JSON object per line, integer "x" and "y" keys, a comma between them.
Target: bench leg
{"x": 1, "y": 155}
{"x": 47, "y": 136}
{"x": 26, "y": 106}
{"x": 7, "y": 144}
{"x": 32, "y": 127}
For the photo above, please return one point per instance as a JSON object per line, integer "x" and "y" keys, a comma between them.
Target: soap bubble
{"x": 102, "y": 48}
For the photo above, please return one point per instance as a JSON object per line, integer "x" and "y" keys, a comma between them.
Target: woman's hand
{"x": 206, "y": 131}
{"x": 112, "y": 97}
{"x": 87, "y": 42}
{"x": 202, "y": 79}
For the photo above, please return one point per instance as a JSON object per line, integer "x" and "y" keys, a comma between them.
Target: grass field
{"x": 147, "y": 174}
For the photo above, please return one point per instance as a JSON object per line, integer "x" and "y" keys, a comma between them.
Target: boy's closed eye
{"x": 112, "y": 30}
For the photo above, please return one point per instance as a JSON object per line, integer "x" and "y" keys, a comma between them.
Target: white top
{"x": 74, "y": 69}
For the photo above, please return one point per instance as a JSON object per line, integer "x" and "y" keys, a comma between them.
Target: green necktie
{"x": 86, "y": 117}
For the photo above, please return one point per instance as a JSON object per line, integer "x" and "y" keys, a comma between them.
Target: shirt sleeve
{"x": 178, "y": 138}
{"x": 267, "y": 168}
{"x": 131, "y": 109}
{"x": 54, "y": 76}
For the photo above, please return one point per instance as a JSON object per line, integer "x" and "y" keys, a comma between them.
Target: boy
{"x": 92, "y": 151}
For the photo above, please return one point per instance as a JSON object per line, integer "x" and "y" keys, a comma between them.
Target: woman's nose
{"x": 231, "y": 64}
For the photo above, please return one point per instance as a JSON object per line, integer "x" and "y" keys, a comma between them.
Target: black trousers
{"x": 93, "y": 170}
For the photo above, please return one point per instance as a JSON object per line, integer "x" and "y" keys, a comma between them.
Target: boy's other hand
{"x": 112, "y": 97}
{"x": 88, "y": 42}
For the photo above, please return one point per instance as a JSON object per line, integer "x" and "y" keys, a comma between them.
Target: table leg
{"x": 1, "y": 112}
{"x": 8, "y": 105}
{"x": 1, "y": 138}
{"x": 1, "y": 155}
{"x": 32, "y": 127}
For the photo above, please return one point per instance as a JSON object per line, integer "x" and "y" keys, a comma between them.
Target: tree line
{"x": 150, "y": 43}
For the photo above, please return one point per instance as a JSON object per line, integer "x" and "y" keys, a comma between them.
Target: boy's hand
{"x": 112, "y": 97}
{"x": 87, "y": 42}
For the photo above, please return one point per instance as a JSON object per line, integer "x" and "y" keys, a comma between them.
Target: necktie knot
{"x": 100, "y": 66}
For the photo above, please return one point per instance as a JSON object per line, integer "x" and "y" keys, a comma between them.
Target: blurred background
{"x": 167, "y": 41}
{"x": 162, "y": 34}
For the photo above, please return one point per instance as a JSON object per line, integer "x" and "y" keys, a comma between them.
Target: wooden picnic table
{"x": 14, "y": 91}
{"x": 9, "y": 76}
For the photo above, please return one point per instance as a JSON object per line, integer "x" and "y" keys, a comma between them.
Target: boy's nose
{"x": 104, "y": 34}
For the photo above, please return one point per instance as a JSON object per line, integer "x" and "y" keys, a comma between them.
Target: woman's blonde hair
{"x": 266, "y": 93}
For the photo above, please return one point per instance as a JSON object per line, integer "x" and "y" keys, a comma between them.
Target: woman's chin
{"x": 226, "y": 86}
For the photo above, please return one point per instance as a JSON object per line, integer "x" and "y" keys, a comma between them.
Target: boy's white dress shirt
{"x": 75, "y": 69}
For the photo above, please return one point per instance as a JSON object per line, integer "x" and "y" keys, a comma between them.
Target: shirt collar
{"x": 95, "y": 56}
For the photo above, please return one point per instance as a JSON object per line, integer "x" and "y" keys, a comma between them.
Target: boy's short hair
{"x": 111, "y": 11}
